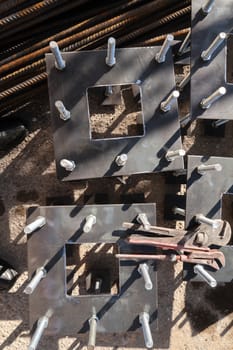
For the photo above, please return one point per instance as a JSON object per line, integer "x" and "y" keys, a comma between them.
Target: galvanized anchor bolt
{"x": 64, "y": 113}
{"x": 160, "y": 57}
{"x": 92, "y": 334}
{"x": 90, "y": 221}
{"x": 108, "y": 90}
{"x": 207, "y": 54}
{"x": 207, "y": 7}
{"x": 121, "y": 159}
{"x": 207, "y": 102}
{"x": 40, "y": 273}
{"x": 185, "y": 44}
{"x": 165, "y": 106}
{"x": 143, "y": 220}
{"x": 37, "y": 223}
{"x": 67, "y": 164}
{"x": 178, "y": 211}
{"x": 202, "y": 169}
{"x": 201, "y": 219}
{"x": 111, "y": 59}
{"x": 219, "y": 122}
{"x": 184, "y": 82}
{"x": 172, "y": 155}
{"x": 143, "y": 269}
{"x": 59, "y": 62}
{"x": 41, "y": 325}
{"x": 201, "y": 272}
{"x": 184, "y": 121}
{"x": 144, "y": 321}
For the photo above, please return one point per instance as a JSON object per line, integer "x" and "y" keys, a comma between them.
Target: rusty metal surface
{"x": 116, "y": 313}
{"x": 209, "y": 76}
{"x": 95, "y": 158}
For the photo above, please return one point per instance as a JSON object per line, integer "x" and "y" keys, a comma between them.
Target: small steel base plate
{"x": 204, "y": 192}
{"x": 116, "y": 313}
{"x": 224, "y": 275}
{"x": 206, "y": 77}
{"x": 96, "y": 158}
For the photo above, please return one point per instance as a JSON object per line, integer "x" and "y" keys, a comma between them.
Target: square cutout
{"x": 92, "y": 268}
{"x": 115, "y": 111}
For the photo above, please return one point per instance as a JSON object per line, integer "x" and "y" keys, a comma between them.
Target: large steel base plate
{"x": 96, "y": 157}
{"x": 70, "y": 314}
{"x": 208, "y": 76}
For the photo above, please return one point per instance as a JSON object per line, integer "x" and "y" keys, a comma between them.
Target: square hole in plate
{"x": 115, "y": 111}
{"x": 92, "y": 268}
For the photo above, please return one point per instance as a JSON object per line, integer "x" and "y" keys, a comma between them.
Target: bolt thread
{"x": 144, "y": 271}
{"x": 208, "y": 6}
{"x": 144, "y": 320}
{"x": 207, "y": 102}
{"x": 35, "y": 281}
{"x": 41, "y": 325}
{"x": 185, "y": 43}
{"x": 200, "y": 271}
{"x": 206, "y": 54}
{"x": 212, "y": 167}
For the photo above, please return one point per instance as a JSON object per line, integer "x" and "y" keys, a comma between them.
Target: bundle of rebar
{"x": 27, "y": 27}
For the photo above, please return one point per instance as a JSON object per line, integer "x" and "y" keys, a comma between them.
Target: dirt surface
{"x": 191, "y": 316}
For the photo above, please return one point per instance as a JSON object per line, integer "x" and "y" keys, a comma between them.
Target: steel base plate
{"x": 207, "y": 77}
{"x": 96, "y": 158}
{"x": 224, "y": 275}
{"x": 204, "y": 192}
{"x": 116, "y": 313}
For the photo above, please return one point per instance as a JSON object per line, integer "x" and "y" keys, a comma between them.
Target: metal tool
{"x": 144, "y": 319}
{"x": 182, "y": 242}
{"x": 33, "y": 226}
{"x": 220, "y": 235}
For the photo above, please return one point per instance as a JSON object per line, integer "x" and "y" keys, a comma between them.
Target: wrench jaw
{"x": 213, "y": 258}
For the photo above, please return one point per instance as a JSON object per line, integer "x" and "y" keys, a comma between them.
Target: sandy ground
{"x": 191, "y": 316}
